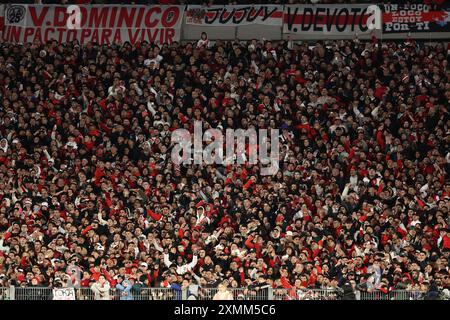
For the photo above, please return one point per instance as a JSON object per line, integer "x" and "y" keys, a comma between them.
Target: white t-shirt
{"x": 223, "y": 295}
{"x": 156, "y": 60}
{"x": 203, "y": 43}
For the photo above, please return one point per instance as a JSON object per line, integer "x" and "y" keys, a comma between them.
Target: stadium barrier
{"x": 393, "y": 295}
{"x": 197, "y": 293}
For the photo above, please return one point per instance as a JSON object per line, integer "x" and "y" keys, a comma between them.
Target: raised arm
{"x": 193, "y": 263}
{"x": 157, "y": 246}
{"x": 167, "y": 262}
{"x": 100, "y": 219}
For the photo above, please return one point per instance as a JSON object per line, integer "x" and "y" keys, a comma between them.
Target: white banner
{"x": 326, "y": 19}
{"x": 101, "y": 24}
{"x": 64, "y": 294}
{"x": 241, "y": 15}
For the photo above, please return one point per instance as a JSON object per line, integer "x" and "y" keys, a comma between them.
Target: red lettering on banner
{"x": 98, "y": 17}
{"x": 112, "y": 18}
{"x": 105, "y": 36}
{"x": 126, "y": 17}
{"x": 170, "y": 22}
{"x": 37, "y": 21}
{"x": 139, "y": 17}
{"x": 46, "y": 32}
{"x": 152, "y": 37}
{"x": 170, "y": 32}
{"x": 60, "y": 17}
{"x": 84, "y": 16}
{"x": 37, "y": 35}
{"x": 418, "y": 15}
{"x": 94, "y": 37}
{"x": 154, "y": 23}
{"x": 73, "y": 33}
{"x": 103, "y": 25}
{"x": 117, "y": 36}
{"x": 28, "y": 32}
{"x": 60, "y": 33}
{"x": 133, "y": 35}
{"x": 14, "y": 34}
{"x": 85, "y": 33}
{"x": 5, "y": 33}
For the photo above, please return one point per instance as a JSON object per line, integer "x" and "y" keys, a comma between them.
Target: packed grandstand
{"x": 91, "y": 199}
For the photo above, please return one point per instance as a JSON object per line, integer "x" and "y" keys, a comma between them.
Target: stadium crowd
{"x": 88, "y": 188}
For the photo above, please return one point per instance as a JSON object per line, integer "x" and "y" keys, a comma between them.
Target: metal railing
{"x": 392, "y": 295}
{"x": 199, "y": 293}
{"x": 5, "y": 293}
{"x": 31, "y": 293}
{"x": 238, "y": 293}
{"x": 141, "y": 294}
{"x": 307, "y": 294}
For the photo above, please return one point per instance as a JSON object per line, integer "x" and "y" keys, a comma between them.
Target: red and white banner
{"x": 2, "y": 16}
{"x": 241, "y": 15}
{"x": 326, "y": 19}
{"x": 402, "y": 18}
{"x": 100, "y": 24}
